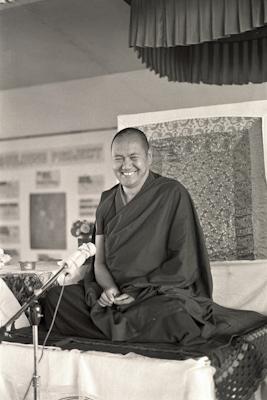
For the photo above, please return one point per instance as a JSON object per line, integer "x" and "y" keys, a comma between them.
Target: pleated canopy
{"x": 210, "y": 41}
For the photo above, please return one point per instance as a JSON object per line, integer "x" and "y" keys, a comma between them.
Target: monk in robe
{"x": 152, "y": 275}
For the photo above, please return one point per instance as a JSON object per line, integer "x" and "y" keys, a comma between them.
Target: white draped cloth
{"x": 99, "y": 375}
{"x": 103, "y": 376}
{"x": 9, "y": 305}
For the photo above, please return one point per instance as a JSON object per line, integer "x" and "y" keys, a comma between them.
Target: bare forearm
{"x": 111, "y": 294}
{"x": 104, "y": 277}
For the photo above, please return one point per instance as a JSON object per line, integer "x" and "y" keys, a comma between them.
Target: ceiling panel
{"x": 58, "y": 40}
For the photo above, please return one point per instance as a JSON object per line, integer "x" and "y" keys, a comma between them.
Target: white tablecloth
{"x": 103, "y": 376}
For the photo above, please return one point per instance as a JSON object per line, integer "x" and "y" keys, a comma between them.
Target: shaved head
{"x": 131, "y": 158}
{"x": 132, "y": 132}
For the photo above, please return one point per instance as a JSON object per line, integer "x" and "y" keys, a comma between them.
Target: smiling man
{"x": 150, "y": 259}
{"x": 152, "y": 275}
{"x": 131, "y": 159}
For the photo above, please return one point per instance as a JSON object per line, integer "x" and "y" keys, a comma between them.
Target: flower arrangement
{"x": 83, "y": 230}
{"x": 4, "y": 258}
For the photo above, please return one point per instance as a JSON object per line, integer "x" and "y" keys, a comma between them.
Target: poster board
{"x": 47, "y": 183}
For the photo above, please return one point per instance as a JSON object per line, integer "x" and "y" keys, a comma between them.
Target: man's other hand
{"x": 123, "y": 299}
{"x": 107, "y": 297}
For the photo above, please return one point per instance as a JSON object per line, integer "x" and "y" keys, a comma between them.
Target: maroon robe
{"x": 155, "y": 251}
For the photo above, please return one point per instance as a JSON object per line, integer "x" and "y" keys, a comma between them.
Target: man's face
{"x": 130, "y": 161}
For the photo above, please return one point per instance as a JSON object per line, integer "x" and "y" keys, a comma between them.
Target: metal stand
{"x": 35, "y": 318}
{"x": 30, "y": 301}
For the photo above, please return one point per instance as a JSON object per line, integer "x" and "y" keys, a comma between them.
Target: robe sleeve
{"x": 105, "y": 210}
{"x": 99, "y": 222}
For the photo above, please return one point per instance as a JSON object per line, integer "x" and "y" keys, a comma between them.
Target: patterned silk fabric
{"x": 220, "y": 161}
{"x": 23, "y": 285}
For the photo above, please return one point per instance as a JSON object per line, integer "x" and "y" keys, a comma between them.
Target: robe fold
{"x": 155, "y": 251}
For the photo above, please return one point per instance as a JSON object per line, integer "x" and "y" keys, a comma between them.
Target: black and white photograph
{"x": 48, "y": 220}
{"x": 133, "y": 199}
{"x": 9, "y": 234}
{"x": 9, "y": 211}
{"x": 47, "y": 179}
{"x": 9, "y": 189}
{"x": 90, "y": 184}
{"x": 87, "y": 208}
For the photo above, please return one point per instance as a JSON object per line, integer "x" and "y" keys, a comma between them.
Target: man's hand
{"x": 107, "y": 297}
{"x": 123, "y": 299}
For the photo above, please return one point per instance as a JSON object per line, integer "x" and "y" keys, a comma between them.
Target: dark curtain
{"x": 210, "y": 41}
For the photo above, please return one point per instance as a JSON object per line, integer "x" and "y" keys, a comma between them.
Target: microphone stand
{"x": 33, "y": 298}
{"x": 35, "y": 317}
{"x": 86, "y": 250}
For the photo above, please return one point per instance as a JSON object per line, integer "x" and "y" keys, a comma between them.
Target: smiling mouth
{"x": 128, "y": 173}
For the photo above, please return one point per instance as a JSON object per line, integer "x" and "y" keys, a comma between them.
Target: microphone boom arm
{"x": 31, "y": 299}
{"x": 86, "y": 250}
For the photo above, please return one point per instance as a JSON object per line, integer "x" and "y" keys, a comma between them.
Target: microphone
{"x": 75, "y": 261}
{"x": 72, "y": 266}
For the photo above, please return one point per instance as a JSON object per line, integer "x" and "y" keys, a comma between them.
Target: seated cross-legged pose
{"x": 152, "y": 274}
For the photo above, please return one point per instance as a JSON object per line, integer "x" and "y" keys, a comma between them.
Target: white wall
{"x": 96, "y": 102}
{"x": 93, "y": 104}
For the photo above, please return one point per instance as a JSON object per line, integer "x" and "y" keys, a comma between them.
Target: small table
{"x": 22, "y": 283}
